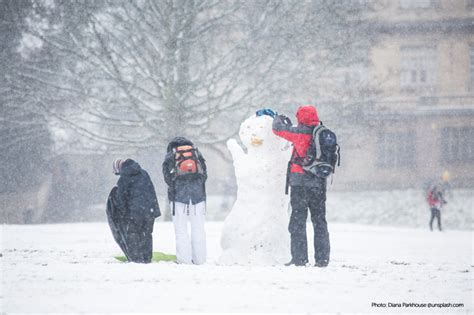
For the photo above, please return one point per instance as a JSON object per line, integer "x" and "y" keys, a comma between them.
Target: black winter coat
{"x": 184, "y": 189}
{"x": 136, "y": 193}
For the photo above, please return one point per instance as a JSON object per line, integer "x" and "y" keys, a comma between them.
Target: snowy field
{"x": 70, "y": 268}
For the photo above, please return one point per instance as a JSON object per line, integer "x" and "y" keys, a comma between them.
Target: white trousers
{"x": 190, "y": 250}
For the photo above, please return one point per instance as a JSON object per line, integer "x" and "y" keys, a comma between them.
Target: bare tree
{"x": 24, "y": 134}
{"x": 135, "y": 73}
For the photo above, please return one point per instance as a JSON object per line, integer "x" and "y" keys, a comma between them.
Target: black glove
{"x": 286, "y": 120}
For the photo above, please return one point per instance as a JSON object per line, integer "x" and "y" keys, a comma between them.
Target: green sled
{"x": 157, "y": 256}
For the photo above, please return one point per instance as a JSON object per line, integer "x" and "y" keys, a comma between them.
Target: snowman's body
{"x": 256, "y": 230}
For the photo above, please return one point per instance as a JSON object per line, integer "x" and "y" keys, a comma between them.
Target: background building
{"x": 420, "y": 123}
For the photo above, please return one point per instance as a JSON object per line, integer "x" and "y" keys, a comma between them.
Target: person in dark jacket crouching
{"x": 307, "y": 191}
{"x": 185, "y": 173}
{"x": 136, "y": 201}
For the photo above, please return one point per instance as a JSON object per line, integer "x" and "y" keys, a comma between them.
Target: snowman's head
{"x": 256, "y": 134}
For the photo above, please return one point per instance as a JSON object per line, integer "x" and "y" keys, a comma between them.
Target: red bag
{"x": 187, "y": 161}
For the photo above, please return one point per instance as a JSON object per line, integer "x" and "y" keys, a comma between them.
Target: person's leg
{"x": 198, "y": 232}
{"x": 147, "y": 245}
{"x": 433, "y": 214}
{"x": 317, "y": 206}
{"x": 132, "y": 239}
{"x": 438, "y": 216}
{"x": 297, "y": 226}
{"x": 183, "y": 244}
{"x": 140, "y": 239}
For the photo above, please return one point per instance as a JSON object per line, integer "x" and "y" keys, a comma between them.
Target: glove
{"x": 286, "y": 120}
{"x": 265, "y": 111}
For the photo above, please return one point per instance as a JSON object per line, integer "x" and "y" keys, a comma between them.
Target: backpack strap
{"x": 296, "y": 158}
{"x": 316, "y": 132}
{"x": 288, "y": 171}
{"x": 174, "y": 197}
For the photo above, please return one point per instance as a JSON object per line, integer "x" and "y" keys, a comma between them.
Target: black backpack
{"x": 323, "y": 153}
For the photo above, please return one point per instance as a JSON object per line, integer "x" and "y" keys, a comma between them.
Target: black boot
{"x": 296, "y": 263}
{"x": 322, "y": 264}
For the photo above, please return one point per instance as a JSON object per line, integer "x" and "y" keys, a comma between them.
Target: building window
{"x": 457, "y": 144}
{"x": 418, "y": 68}
{"x": 471, "y": 64}
{"x": 418, "y": 4}
{"x": 396, "y": 150}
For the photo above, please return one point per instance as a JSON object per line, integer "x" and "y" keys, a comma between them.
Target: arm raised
{"x": 235, "y": 150}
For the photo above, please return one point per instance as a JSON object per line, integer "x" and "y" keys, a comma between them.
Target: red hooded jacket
{"x": 299, "y": 135}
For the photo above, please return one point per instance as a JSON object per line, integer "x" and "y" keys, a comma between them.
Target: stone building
{"x": 420, "y": 125}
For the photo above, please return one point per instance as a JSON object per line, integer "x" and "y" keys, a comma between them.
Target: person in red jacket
{"x": 307, "y": 191}
{"x": 435, "y": 201}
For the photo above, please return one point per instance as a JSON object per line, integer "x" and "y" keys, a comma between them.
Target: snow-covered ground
{"x": 70, "y": 268}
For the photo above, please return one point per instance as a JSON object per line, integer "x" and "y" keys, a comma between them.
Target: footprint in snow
{"x": 399, "y": 263}
{"x": 349, "y": 266}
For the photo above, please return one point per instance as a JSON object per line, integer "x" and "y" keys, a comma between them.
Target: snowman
{"x": 256, "y": 230}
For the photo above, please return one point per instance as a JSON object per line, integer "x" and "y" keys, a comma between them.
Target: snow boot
{"x": 296, "y": 263}
{"x": 321, "y": 264}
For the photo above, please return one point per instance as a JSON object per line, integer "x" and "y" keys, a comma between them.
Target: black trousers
{"x": 138, "y": 238}
{"x": 435, "y": 213}
{"x": 312, "y": 198}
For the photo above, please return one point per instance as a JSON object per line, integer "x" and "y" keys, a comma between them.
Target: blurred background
{"x": 85, "y": 82}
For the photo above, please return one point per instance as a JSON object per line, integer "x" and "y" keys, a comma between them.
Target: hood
{"x": 130, "y": 167}
{"x": 307, "y": 115}
{"x": 178, "y": 141}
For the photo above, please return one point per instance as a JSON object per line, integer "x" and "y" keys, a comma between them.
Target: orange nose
{"x": 256, "y": 141}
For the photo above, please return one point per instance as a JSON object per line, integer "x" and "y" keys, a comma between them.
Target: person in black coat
{"x": 187, "y": 197}
{"x": 136, "y": 200}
